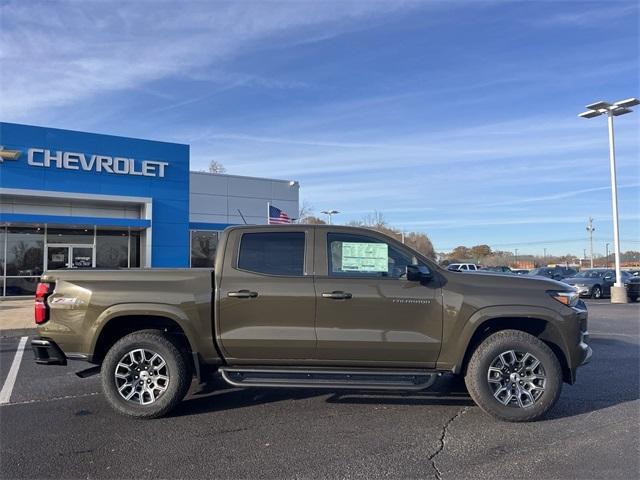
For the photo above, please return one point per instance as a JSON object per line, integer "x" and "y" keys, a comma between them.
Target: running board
{"x": 327, "y": 378}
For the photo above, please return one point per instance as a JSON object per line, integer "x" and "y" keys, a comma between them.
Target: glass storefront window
{"x": 67, "y": 235}
{"x": 21, "y": 286}
{"x": 25, "y": 251}
{"x": 203, "y": 248}
{"x": 112, "y": 249}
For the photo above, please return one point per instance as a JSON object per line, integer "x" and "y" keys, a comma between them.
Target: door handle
{"x": 337, "y": 295}
{"x": 243, "y": 294}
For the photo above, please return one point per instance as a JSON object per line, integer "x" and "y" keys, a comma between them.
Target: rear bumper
{"x": 633, "y": 289}
{"x": 47, "y": 352}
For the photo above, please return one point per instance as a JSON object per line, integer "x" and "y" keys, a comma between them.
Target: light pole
{"x": 622, "y": 107}
{"x": 331, "y": 213}
{"x": 517, "y": 258}
{"x": 590, "y": 229}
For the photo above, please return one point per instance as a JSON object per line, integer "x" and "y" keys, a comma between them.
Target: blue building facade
{"x": 83, "y": 200}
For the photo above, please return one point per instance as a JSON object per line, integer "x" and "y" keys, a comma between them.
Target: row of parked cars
{"x": 591, "y": 282}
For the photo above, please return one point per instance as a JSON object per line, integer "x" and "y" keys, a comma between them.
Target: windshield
{"x": 590, "y": 274}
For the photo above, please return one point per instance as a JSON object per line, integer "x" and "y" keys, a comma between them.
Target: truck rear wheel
{"x": 145, "y": 374}
{"x": 514, "y": 376}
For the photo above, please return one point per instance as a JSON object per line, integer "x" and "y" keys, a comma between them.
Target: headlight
{"x": 570, "y": 299}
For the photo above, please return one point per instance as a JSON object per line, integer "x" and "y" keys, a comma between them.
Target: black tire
{"x": 596, "y": 291}
{"x": 178, "y": 373}
{"x": 633, "y": 298}
{"x": 486, "y": 353}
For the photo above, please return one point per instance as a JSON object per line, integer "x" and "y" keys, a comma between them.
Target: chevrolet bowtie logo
{"x": 8, "y": 154}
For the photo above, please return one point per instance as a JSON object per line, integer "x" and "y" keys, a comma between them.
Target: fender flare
{"x": 486, "y": 314}
{"x": 141, "y": 309}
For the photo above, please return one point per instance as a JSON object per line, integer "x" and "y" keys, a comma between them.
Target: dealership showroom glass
{"x": 83, "y": 200}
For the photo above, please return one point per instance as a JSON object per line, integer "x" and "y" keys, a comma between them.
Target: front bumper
{"x": 47, "y": 352}
{"x": 583, "y": 290}
{"x": 587, "y": 355}
{"x": 583, "y": 352}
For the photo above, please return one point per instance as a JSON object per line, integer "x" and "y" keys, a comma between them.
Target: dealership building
{"x": 82, "y": 200}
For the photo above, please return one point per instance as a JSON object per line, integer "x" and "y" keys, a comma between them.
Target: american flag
{"x": 277, "y": 216}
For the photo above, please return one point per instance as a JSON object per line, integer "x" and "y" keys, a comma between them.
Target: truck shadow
{"x": 610, "y": 379}
{"x": 216, "y": 396}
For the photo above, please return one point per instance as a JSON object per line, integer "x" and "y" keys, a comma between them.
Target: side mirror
{"x": 608, "y": 278}
{"x": 418, "y": 273}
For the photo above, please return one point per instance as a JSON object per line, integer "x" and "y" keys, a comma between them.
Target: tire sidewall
{"x": 175, "y": 368}
{"x": 482, "y": 393}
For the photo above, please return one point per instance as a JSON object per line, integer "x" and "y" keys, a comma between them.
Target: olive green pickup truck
{"x": 314, "y": 306}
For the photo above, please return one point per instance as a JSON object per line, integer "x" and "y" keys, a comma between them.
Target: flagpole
{"x": 268, "y": 210}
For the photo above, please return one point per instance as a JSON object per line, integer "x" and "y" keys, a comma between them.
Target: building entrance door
{"x": 69, "y": 256}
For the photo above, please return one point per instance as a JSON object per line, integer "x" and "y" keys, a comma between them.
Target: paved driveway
{"x": 59, "y": 426}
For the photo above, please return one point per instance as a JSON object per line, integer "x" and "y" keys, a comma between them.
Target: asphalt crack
{"x": 443, "y": 440}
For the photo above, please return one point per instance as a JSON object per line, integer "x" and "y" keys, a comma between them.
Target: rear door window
{"x": 272, "y": 253}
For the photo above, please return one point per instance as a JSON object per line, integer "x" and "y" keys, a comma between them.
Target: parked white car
{"x": 463, "y": 267}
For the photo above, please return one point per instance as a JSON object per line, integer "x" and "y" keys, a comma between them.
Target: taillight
{"x": 41, "y": 311}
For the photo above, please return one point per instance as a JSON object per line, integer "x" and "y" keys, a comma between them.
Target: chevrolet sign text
{"x": 39, "y": 157}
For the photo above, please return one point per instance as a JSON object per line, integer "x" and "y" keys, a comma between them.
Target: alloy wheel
{"x": 141, "y": 376}
{"x": 517, "y": 379}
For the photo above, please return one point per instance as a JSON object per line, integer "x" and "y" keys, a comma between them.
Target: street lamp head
{"x": 599, "y": 105}
{"x": 590, "y": 114}
{"x": 616, "y": 109}
{"x": 620, "y": 111}
{"x": 329, "y": 212}
{"x": 629, "y": 102}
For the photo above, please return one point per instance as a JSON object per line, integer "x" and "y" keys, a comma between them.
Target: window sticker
{"x": 365, "y": 257}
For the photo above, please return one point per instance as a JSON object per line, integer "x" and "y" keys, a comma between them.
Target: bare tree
{"x": 216, "y": 167}
{"x": 374, "y": 220}
{"x": 416, "y": 240}
{"x": 306, "y": 210}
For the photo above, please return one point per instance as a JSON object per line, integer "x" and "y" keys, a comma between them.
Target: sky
{"x": 456, "y": 119}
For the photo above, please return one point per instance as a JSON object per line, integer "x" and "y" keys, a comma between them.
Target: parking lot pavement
{"x": 57, "y": 425}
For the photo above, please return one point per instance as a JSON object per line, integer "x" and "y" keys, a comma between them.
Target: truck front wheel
{"x": 145, "y": 374}
{"x": 514, "y": 376}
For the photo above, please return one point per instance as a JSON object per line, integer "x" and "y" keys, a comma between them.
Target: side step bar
{"x": 329, "y": 378}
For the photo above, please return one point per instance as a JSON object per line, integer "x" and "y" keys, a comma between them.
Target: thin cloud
{"x": 85, "y": 49}
{"x": 591, "y": 17}
{"x": 560, "y": 195}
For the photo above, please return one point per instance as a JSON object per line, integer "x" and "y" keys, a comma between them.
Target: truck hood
{"x": 506, "y": 282}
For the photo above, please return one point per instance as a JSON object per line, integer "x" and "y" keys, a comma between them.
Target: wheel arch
{"x": 536, "y": 326}
{"x": 119, "y": 326}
